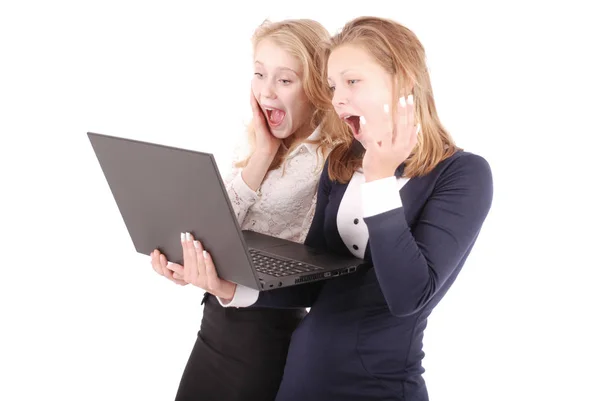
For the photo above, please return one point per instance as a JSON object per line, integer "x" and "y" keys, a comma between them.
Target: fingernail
{"x": 188, "y": 236}
{"x": 362, "y": 120}
{"x": 402, "y": 102}
{"x": 386, "y": 108}
{"x": 196, "y": 244}
{"x": 410, "y": 99}
{"x": 204, "y": 254}
{"x": 182, "y": 237}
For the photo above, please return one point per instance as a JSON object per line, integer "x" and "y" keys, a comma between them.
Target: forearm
{"x": 242, "y": 185}
{"x": 413, "y": 263}
{"x": 255, "y": 171}
{"x": 402, "y": 271}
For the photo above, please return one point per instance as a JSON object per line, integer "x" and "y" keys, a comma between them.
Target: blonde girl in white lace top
{"x": 273, "y": 191}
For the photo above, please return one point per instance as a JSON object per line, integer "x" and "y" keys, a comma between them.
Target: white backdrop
{"x": 84, "y": 317}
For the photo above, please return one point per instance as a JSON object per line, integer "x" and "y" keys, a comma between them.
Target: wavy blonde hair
{"x": 398, "y": 50}
{"x": 304, "y": 39}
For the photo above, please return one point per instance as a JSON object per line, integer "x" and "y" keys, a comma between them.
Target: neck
{"x": 301, "y": 134}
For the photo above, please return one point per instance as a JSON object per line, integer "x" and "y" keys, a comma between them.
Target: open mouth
{"x": 274, "y": 116}
{"x": 354, "y": 123}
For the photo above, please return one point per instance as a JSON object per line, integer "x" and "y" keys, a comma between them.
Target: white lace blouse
{"x": 284, "y": 205}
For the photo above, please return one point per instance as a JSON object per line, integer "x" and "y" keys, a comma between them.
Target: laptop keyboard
{"x": 277, "y": 267}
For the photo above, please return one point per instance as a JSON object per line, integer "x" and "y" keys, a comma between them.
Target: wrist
{"x": 263, "y": 156}
{"x": 231, "y": 291}
{"x": 256, "y": 169}
{"x": 227, "y": 294}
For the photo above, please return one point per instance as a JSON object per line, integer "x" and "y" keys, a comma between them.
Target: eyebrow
{"x": 279, "y": 68}
{"x": 343, "y": 72}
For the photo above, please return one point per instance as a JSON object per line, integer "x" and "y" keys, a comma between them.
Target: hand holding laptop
{"x": 161, "y": 266}
{"x": 198, "y": 269}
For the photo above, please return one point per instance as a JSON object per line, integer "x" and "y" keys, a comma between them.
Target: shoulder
{"x": 465, "y": 174}
{"x": 465, "y": 164}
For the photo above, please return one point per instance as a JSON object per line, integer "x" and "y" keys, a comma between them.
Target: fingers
{"x": 178, "y": 281}
{"x": 175, "y": 269}
{"x": 194, "y": 270}
{"x": 200, "y": 264}
{"x": 172, "y": 271}
{"x": 369, "y": 139}
{"x": 175, "y": 273}
{"x": 159, "y": 263}
{"x": 389, "y": 132}
{"x": 410, "y": 111}
{"x": 258, "y": 115}
{"x": 200, "y": 271}
{"x": 190, "y": 262}
{"x": 253, "y": 103}
{"x": 402, "y": 113}
{"x": 154, "y": 261}
{"x": 384, "y": 130}
{"x": 212, "y": 277}
{"x": 163, "y": 265}
{"x": 405, "y": 124}
{"x": 194, "y": 267}
{"x": 413, "y": 122}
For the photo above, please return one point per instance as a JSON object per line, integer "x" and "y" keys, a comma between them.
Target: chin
{"x": 281, "y": 132}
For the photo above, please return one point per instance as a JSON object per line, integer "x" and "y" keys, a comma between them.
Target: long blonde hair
{"x": 304, "y": 40}
{"x": 398, "y": 50}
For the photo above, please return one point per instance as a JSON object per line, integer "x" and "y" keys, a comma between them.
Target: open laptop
{"x": 163, "y": 191}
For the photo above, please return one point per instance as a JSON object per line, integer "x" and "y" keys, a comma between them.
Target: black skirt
{"x": 239, "y": 354}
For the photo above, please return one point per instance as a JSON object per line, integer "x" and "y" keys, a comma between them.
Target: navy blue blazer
{"x": 363, "y": 337}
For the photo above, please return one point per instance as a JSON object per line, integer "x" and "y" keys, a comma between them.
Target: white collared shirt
{"x": 285, "y": 203}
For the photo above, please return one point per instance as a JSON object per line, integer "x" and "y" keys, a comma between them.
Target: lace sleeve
{"x": 308, "y": 220}
{"x": 242, "y": 197}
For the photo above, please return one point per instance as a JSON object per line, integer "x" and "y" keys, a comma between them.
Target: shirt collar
{"x": 310, "y": 147}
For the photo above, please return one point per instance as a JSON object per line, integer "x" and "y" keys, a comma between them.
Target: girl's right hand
{"x": 266, "y": 142}
{"x": 198, "y": 269}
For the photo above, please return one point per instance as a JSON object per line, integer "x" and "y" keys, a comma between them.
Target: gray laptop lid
{"x": 162, "y": 191}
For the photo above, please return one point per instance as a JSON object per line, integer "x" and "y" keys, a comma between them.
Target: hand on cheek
{"x": 388, "y": 144}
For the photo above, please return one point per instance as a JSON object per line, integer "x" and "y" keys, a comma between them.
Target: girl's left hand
{"x": 388, "y": 146}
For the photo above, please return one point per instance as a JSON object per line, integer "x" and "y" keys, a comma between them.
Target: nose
{"x": 267, "y": 91}
{"x": 340, "y": 97}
